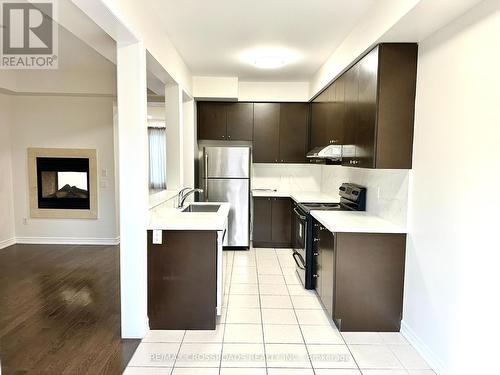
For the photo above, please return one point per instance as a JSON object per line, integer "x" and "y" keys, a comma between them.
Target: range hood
{"x": 330, "y": 154}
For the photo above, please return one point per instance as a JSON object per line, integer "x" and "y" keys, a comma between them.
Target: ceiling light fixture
{"x": 269, "y": 57}
{"x": 269, "y": 62}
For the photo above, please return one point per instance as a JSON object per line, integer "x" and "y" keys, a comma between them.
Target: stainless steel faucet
{"x": 184, "y": 193}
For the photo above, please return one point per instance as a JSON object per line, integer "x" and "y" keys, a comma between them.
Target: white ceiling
{"x": 211, "y": 36}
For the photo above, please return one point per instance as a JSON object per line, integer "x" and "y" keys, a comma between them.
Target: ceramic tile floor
{"x": 271, "y": 325}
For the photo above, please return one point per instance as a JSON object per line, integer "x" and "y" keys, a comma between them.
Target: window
{"x": 157, "y": 157}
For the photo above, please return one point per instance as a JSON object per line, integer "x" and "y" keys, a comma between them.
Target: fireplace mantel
{"x": 82, "y": 200}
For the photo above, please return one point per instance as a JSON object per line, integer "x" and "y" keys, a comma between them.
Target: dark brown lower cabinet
{"x": 182, "y": 280}
{"x": 325, "y": 268}
{"x": 272, "y": 222}
{"x": 360, "y": 278}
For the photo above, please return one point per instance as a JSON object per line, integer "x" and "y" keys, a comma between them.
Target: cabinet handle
{"x": 315, "y": 254}
{"x": 223, "y": 136}
{"x": 335, "y": 141}
{"x": 229, "y": 137}
{"x": 316, "y": 240}
{"x": 282, "y": 160}
{"x": 315, "y": 276}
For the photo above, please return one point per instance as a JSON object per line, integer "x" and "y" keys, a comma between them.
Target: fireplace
{"x": 63, "y": 183}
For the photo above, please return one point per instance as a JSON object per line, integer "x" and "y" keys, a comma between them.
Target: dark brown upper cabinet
{"x": 212, "y": 120}
{"x": 266, "y": 132}
{"x": 293, "y": 132}
{"x": 327, "y": 114}
{"x": 319, "y": 120}
{"x": 225, "y": 121}
{"x": 373, "y": 109}
{"x": 280, "y": 132}
{"x": 240, "y": 121}
{"x": 335, "y": 128}
{"x": 351, "y": 114}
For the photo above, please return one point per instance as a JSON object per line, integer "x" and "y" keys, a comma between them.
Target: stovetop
{"x": 308, "y": 207}
{"x": 352, "y": 198}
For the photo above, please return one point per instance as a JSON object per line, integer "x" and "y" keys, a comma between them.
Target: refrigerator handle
{"x": 206, "y": 177}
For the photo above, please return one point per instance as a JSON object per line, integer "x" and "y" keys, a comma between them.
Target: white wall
{"x": 175, "y": 136}
{"x": 387, "y": 190}
{"x": 80, "y": 71}
{"x": 215, "y": 87}
{"x": 378, "y": 20}
{"x": 145, "y": 23}
{"x": 286, "y": 177}
{"x": 133, "y": 177}
{"x": 188, "y": 148}
{"x": 451, "y": 305}
{"x": 7, "y": 231}
{"x": 273, "y": 91}
{"x": 64, "y": 122}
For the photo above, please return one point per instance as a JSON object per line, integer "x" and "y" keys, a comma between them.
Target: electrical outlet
{"x": 104, "y": 172}
{"x": 157, "y": 236}
{"x": 25, "y": 221}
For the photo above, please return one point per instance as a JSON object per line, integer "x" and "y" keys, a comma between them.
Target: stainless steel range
{"x": 352, "y": 198}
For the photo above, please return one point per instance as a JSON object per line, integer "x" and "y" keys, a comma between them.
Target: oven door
{"x": 299, "y": 243}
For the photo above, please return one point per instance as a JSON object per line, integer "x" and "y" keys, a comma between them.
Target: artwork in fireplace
{"x": 63, "y": 183}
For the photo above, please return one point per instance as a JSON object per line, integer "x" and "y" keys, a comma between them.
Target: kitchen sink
{"x": 202, "y": 208}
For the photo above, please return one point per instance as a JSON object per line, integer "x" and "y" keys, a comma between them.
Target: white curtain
{"x": 157, "y": 158}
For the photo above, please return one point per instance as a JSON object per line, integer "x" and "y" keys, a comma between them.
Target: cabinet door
{"x": 326, "y": 240}
{"x": 370, "y": 280}
{"x": 319, "y": 120}
{"x": 282, "y": 221}
{"x": 335, "y": 131}
{"x": 211, "y": 120}
{"x": 182, "y": 280}
{"x": 240, "y": 121}
{"x": 351, "y": 116}
{"x": 293, "y": 132}
{"x": 318, "y": 260}
{"x": 266, "y": 132}
{"x": 367, "y": 110}
{"x": 262, "y": 220}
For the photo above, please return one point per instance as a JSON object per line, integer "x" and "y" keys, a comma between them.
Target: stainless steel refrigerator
{"x": 226, "y": 178}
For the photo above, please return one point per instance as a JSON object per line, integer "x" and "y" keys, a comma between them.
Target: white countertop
{"x": 167, "y": 218}
{"x": 299, "y": 196}
{"x": 355, "y": 222}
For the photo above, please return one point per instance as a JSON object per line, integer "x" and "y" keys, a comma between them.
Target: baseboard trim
{"x": 432, "y": 360}
{"x": 7, "y": 243}
{"x": 67, "y": 240}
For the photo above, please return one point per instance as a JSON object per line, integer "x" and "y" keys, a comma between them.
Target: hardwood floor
{"x": 60, "y": 310}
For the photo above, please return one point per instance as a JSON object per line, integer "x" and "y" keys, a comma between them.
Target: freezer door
{"x": 237, "y": 193}
{"x": 227, "y": 162}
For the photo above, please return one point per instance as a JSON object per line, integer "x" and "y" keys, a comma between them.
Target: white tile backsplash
{"x": 287, "y": 177}
{"x": 387, "y": 189}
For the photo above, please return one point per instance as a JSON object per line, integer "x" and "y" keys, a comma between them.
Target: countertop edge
{"x": 380, "y": 225}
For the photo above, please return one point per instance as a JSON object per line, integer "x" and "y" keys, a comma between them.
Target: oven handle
{"x": 301, "y": 217}
{"x": 301, "y": 266}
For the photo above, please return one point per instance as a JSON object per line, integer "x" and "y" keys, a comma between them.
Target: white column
{"x": 190, "y": 144}
{"x": 173, "y": 103}
{"x": 133, "y": 178}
